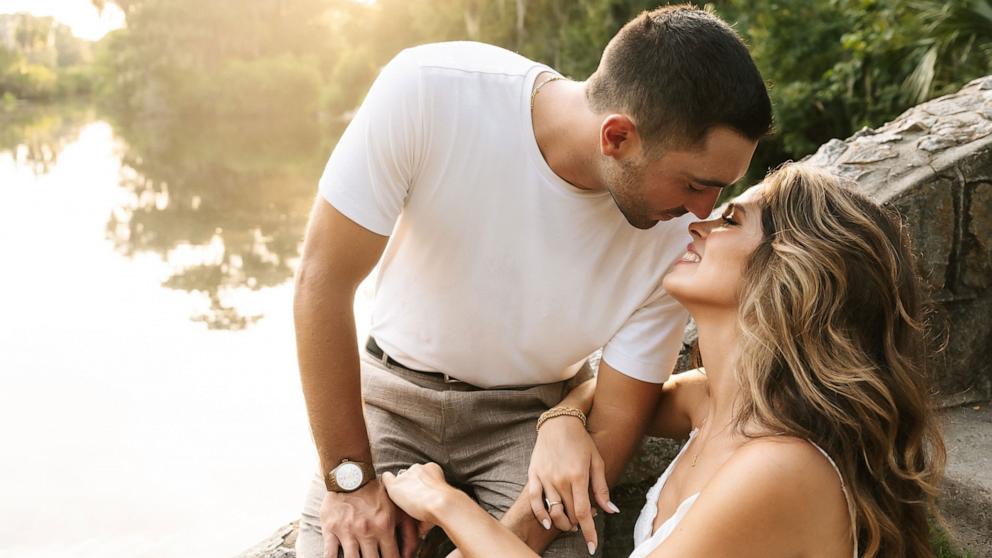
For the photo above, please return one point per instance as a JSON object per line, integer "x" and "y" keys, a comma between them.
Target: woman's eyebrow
{"x": 733, "y": 208}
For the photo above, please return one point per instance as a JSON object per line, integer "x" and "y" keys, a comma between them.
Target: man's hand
{"x": 564, "y": 464}
{"x": 363, "y": 524}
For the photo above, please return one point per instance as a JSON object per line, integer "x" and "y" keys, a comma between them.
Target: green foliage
{"x": 42, "y": 59}
{"x": 836, "y": 66}
{"x": 28, "y": 81}
{"x": 942, "y": 545}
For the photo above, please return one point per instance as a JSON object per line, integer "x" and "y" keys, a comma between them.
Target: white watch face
{"x": 348, "y": 476}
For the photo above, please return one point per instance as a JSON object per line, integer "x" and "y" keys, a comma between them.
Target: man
{"x": 514, "y": 213}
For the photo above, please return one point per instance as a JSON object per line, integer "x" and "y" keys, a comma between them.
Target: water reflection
{"x": 35, "y": 134}
{"x": 225, "y": 203}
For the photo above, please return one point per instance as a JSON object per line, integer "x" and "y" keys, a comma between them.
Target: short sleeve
{"x": 647, "y": 345}
{"x": 373, "y": 166}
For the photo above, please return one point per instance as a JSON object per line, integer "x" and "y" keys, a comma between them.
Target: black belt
{"x": 375, "y": 350}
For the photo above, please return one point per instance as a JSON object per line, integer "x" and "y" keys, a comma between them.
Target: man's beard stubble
{"x": 623, "y": 187}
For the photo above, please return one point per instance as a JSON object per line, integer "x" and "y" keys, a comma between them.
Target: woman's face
{"x": 711, "y": 271}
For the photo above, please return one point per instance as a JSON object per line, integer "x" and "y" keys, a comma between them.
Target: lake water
{"x": 150, "y": 403}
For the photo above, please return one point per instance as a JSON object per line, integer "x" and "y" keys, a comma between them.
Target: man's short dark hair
{"x": 678, "y": 71}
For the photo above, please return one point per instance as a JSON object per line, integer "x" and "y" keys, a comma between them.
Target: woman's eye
{"x": 727, "y": 220}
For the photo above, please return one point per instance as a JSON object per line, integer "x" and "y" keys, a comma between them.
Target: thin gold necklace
{"x": 538, "y": 88}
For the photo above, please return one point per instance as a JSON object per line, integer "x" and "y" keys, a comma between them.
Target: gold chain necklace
{"x": 538, "y": 88}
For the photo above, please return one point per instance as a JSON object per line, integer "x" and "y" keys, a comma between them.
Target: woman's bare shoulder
{"x": 796, "y": 476}
{"x": 782, "y": 497}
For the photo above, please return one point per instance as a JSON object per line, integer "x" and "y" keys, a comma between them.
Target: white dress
{"x": 646, "y": 542}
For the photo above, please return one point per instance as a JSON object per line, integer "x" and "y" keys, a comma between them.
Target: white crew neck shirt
{"x": 497, "y": 271}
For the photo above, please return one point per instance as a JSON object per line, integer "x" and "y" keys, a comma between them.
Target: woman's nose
{"x": 698, "y": 229}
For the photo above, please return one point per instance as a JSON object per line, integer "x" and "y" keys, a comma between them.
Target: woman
{"x": 810, "y": 431}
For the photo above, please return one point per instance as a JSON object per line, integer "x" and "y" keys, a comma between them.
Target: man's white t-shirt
{"x": 497, "y": 271}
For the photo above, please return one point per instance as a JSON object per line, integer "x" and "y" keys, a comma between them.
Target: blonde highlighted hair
{"x": 834, "y": 350}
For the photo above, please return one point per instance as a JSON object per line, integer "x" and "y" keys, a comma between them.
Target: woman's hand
{"x": 564, "y": 463}
{"x": 420, "y": 491}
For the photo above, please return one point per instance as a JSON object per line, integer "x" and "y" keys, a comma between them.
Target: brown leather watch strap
{"x": 368, "y": 473}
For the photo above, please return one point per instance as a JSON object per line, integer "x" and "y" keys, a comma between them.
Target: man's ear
{"x": 618, "y": 137}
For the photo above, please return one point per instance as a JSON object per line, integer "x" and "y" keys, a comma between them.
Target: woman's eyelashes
{"x": 728, "y": 216}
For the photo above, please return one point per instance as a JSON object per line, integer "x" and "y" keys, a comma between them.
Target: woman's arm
{"x": 581, "y": 396}
{"x": 422, "y": 493}
{"x": 682, "y": 405}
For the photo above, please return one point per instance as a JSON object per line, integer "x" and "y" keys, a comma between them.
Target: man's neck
{"x": 566, "y": 132}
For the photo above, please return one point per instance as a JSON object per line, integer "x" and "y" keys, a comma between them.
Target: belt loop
{"x": 384, "y": 359}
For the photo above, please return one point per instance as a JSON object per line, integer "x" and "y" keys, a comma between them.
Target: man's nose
{"x": 702, "y": 205}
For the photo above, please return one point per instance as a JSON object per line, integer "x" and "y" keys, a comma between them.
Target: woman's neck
{"x": 719, "y": 338}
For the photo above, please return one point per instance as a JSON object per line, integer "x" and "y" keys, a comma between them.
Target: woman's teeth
{"x": 691, "y": 257}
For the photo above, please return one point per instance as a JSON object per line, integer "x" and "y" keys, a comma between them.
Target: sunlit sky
{"x": 85, "y": 20}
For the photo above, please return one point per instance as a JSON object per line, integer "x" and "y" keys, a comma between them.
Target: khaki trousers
{"x": 482, "y": 438}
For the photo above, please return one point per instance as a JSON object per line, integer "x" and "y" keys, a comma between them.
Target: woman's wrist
{"x": 447, "y": 503}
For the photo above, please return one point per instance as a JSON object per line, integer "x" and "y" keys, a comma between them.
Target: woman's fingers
{"x": 535, "y": 494}
{"x": 600, "y": 489}
{"x": 583, "y": 514}
{"x": 556, "y": 508}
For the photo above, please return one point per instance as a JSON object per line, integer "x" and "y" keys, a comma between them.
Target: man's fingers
{"x": 350, "y": 548}
{"x": 600, "y": 489}
{"x": 409, "y": 537}
{"x": 388, "y": 548}
{"x": 331, "y": 545}
{"x": 535, "y": 494}
{"x": 583, "y": 513}
{"x": 370, "y": 548}
{"x": 424, "y": 528}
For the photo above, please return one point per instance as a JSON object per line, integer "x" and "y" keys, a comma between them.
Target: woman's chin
{"x": 679, "y": 277}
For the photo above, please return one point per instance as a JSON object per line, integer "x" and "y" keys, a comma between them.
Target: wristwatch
{"x": 349, "y": 476}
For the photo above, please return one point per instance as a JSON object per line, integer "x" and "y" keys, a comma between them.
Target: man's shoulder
{"x": 469, "y": 57}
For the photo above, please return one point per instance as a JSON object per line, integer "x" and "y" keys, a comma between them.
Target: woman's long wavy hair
{"x": 834, "y": 350}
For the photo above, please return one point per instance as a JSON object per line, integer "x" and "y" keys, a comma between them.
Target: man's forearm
{"x": 616, "y": 439}
{"x": 327, "y": 349}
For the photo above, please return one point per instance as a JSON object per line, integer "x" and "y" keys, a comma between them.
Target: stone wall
{"x": 933, "y": 164}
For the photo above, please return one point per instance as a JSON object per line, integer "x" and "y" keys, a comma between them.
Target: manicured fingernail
{"x": 575, "y": 528}
{"x": 592, "y": 548}
{"x": 546, "y": 523}
{"x": 613, "y": 507}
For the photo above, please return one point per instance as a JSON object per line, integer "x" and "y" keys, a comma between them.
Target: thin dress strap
{"x": 847, "y": 496}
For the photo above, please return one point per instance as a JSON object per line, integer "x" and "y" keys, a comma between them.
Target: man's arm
{"x": 621, "y": 410}
{"x": 337, "y": 255}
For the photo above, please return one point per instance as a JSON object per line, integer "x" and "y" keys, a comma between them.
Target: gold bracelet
{"x": 561, "y": 412}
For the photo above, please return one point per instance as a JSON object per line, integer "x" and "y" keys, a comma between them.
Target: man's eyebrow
{"x": 709, "y": 182}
